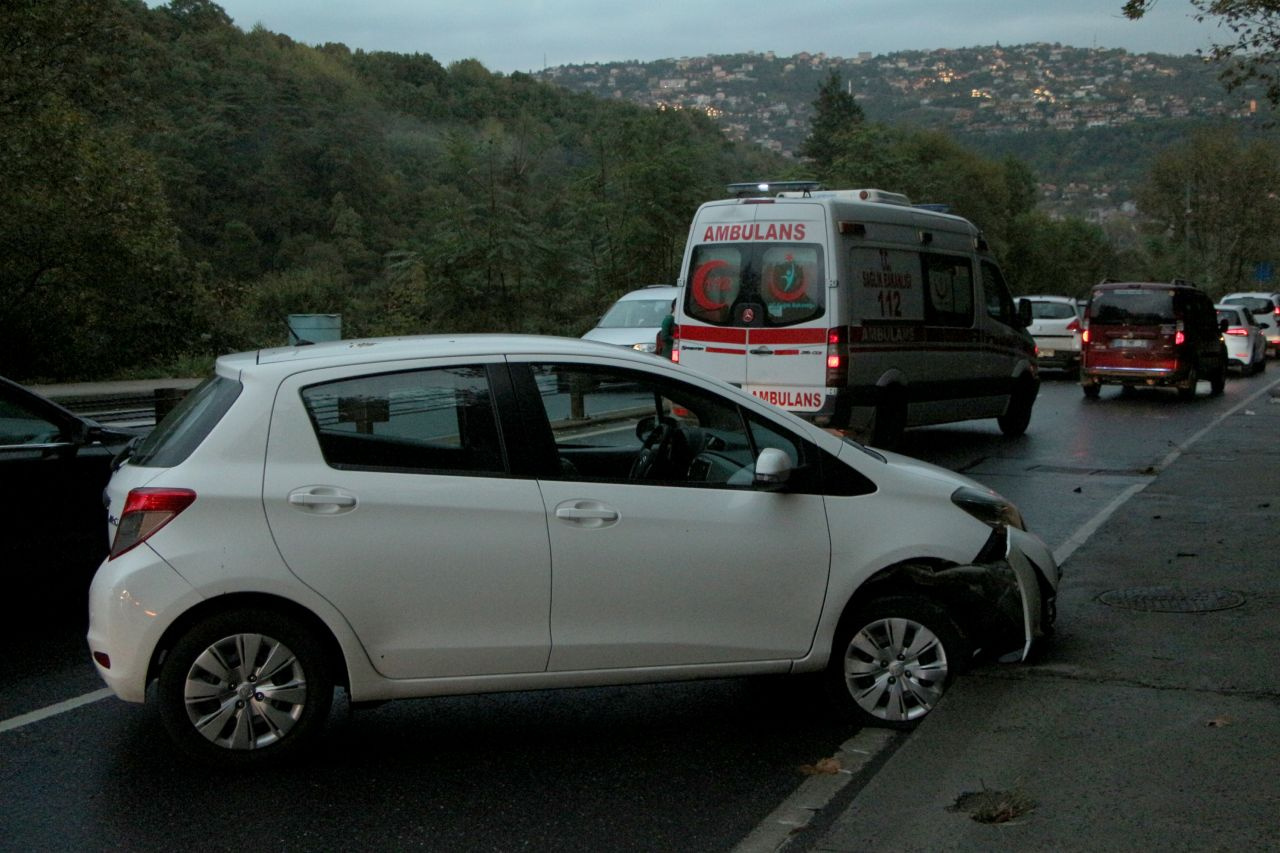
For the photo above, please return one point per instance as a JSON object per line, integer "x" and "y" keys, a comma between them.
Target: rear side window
{"x": 756, "y": 284}
{"x": 1254, "y": 304}
{"x": 182, "y": 430}
{"x": 636, "y": 314}
{"x": 1132, "y": 307}
{"x": 948, "y": 291}
{"x": 432, "y": 421}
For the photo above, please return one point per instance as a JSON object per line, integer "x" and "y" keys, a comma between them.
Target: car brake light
{"x": 1084, "y": 335}
{"x": 1073, "y": 326}
{"x": 675, "y": 344}
{"x": 145, "y": 512}
{"x": 837, "y": 357}
{"x": 1238, "y": 332}
{"x": 1179, "y": 338}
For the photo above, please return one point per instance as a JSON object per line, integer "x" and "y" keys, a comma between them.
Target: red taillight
{"x": 1084, "y": 335}
{"x": 146, "y": 511}
{"x": 1073, "y": 326}
{"x": 1179, "y": 338}
{"x": 837, "y": 357}
{"x": 1238, "y": 332}
{"x": 675, "y": 344}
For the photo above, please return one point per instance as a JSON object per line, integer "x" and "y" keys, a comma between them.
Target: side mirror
{"x": 773, "y": 469}
{"x": 1024, "y": 313}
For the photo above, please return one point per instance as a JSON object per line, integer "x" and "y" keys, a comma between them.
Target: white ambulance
{"x": 855, "y": 309}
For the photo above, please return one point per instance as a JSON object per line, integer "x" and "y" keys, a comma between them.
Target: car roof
{"x": 652, "y": 291}
{"x": 1049, "y": 297}
{"x": 1151, "y": 285}
{"x": 1254, "y": 294}
{"x": 371, "y": 350}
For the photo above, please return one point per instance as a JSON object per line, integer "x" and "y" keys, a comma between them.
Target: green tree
{"x": 1254, "y": 53}
{"x": 836, "y": 113}
{"x": 1213, "y": 206}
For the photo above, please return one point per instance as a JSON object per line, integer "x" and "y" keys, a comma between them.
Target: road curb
{"x": 817, "y": 791}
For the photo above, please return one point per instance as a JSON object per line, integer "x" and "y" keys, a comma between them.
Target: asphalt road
{"x": 691, "y": 766}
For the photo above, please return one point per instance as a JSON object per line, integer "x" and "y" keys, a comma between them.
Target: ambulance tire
{"x": 1017, "y": 417}
{"x": 890, "y": 419}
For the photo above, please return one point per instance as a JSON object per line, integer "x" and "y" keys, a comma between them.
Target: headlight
{"x": 988, "y": 507}
{"x": 651, "y": 347}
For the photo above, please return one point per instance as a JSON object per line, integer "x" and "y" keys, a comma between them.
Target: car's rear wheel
{"x": 893, "y": 659}
{"x": 1091, "y": 389}
{"x": 245, "y": 687}
{"x": 890, "y": 420}
{"x": 1017, "y": 417}
{"x": 1218, "y": 379}
{"x": 1187, "y": 388}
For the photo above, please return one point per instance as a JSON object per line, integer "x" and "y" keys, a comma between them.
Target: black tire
{"x": 1187, "y": 390}
{"x": 1017, "y": 417}
{"x": 890, "y": 420}
{"x": 1218, "y": 379}
{"x": 245, "y": 687}
{"x": 1262, "y": 365}
{"x": 1092, "y": 390}
{"x": 922, "y": 650}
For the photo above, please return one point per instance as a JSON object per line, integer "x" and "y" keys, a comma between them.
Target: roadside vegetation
{"x": 172, "y": 187}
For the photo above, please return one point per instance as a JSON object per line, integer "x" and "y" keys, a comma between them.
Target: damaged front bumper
{"x": 1006, "y": 600}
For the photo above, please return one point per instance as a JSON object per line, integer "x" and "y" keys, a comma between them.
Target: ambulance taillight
{"x": 675, "y": 344}
{"x": 838, "y": 357}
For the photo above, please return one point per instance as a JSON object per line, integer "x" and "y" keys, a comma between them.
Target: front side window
{"x": 756, "y": 284}
{"x": 622, "y": 426}
{"x": 1000, "y": 302}
{"x": 948, "y": 291}
{"x": 431, "y": 421}
{"x": 21, "y": 426}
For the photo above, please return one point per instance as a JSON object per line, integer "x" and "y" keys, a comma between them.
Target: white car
{"x": 1055, "y": 325}
{"x": 446, "y": 515}
{"x": 635, "y": 320}
{"x": 1245, "y": 340}
{"x": 1265, "y": 307}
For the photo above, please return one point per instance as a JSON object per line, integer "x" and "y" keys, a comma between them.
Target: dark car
{"x": 1152, "y": 334}
{"x": 55, "y": 465}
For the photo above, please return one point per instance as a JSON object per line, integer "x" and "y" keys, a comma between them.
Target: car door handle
{"x": 586, "y": 513}
{"x": 762, "y": 351}
{"x": 321, "y": 499}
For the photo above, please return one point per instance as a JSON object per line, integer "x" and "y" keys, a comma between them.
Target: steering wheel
{"x": 655, "y": 448}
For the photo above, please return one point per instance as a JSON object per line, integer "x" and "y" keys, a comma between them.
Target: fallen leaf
{"x": 825, "y": 767}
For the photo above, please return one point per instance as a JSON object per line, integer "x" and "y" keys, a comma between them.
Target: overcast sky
{"x": 525, "y": 35}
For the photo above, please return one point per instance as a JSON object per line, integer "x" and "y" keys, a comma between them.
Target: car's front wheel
{"x": 893, "y": 659}
{"x": 244, "y": 687}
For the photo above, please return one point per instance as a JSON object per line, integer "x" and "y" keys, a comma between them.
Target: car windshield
{"x": 1132, "y": 307}
{"x": 636, "y": 314}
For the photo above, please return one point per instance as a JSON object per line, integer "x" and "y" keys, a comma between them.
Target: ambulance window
{"x": 996, "y": 292}
{"x": 756, "y": 284}
{"x": 949, "y": 291}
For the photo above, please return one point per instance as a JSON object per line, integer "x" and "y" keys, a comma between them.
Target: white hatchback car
{"x": 635, "y": 319}
{"x": 1265, "y": 307}
{"x": 444, "y": 515}
{"x": 1055, "y": 325}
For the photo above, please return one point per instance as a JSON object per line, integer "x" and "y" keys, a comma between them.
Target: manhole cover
{"x": 1169, "y": 599}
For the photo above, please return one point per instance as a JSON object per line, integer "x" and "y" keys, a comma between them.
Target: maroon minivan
{"x": 1151, "y": 334}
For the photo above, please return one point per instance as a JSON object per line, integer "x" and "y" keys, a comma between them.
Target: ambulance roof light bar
{"x": 875, "y": 196}
{"x": 758, "y": 188}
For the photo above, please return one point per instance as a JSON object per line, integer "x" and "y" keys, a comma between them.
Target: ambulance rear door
{"x": 756, "y": 299}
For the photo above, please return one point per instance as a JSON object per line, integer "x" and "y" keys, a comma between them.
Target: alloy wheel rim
{"x": 895, "y": 669}
{"x": 245, "y": 691}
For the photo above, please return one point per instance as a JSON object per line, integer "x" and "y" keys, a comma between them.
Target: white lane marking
{"x": 1090, "y": 527}
{"x": 54, "y": 710}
